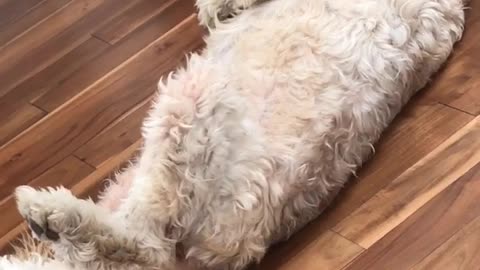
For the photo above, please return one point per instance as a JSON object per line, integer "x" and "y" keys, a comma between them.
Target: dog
{"x": 254, "y": 137}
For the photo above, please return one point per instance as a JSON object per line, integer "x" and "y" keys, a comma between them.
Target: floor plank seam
{"x": 102, "y": 40}
{"x": 39, "y": 108}
{"x": 457, "y": 109}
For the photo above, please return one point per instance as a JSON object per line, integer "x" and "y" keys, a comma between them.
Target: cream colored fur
{"x": 256, "y": 135}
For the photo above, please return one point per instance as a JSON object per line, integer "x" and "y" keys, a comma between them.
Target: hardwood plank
{"x": 55, "y": 74}
{"x": 124, "y": 132}
{"x": 13, "y": 10}
{"x": 9, "y": 238}
{"x": 40, "y": 57}
{"x": 412, "y": 189}
{"x": 459, "y": 252}
{"x": 66, "y": 173}
{"x": 329, "y": 252}
{"x": 21, "y": 115}
{"x": 38, "y": 35}
{"x": 131, "y": 19}
{"x": 427, "y": 228}
{"x": 416, "y": 131}
{"x": 36, "y": 15}
{"x": 457, "y": 85}
{"x": 91, "y": 185}
{"x": 18, "y": 119}
{"x": 57, "y": 136}
{"x": 120, "y": 52}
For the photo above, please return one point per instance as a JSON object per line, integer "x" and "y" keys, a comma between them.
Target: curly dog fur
{"x": 254, "y": 137}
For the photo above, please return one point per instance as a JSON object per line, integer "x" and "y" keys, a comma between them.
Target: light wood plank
{"x": 414, "y": 188}
{"x": 426, "y": 229}
{"x": 120, "y": 52}
{"x": 57, "y": 136}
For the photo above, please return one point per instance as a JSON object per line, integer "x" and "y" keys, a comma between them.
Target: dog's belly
{"x": 285, "y": 104}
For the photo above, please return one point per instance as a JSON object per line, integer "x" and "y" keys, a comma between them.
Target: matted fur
{"x": 255, "y": 136}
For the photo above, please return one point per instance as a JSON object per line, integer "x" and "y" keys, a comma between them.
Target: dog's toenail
{"x": 37, "y": 229}
{"x": 52, "y": 235}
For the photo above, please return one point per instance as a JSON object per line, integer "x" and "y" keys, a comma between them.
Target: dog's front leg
{"x": 212, "y": 11}
{"x": 86, "y": 235}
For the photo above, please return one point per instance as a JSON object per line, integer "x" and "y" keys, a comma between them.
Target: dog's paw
{"x": 48, "y": 212}
{"x": 212, "y": 12}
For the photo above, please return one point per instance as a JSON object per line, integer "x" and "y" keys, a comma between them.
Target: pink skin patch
{"x": 117, "y": 190}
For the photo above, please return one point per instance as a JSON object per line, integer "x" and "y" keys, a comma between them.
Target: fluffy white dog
{"x": 254, "y": 137}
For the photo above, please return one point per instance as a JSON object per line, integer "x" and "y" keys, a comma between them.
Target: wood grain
{"x": 15, "y": 9}
{"x": 55, "y": 136}
{"x": 427, "y": 229}
{"x": 18, "y": 119}
{"x": 49, "y": 51}
{"x": 14, "y": 52}
{"x": 133, "y": 18}
{"x": 116, "y": 55}
{"x": 37, "y": 14}
{"x": 14, "y": 104}
{"x": 416, "y": 186}
{"x": 91, "y": 185}
{"x": 323, "y": 254}
{"x": 459, "y": 252}
{"x": 458, "y": 83}
{"x": 120, "y": 135}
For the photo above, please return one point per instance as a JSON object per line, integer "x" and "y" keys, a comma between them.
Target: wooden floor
{"x": 76, "y": 80}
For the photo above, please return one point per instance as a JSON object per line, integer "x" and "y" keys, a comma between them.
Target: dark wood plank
{"x": 328, "y": 252}
{"x": 459, "y": 252}
{"x": 17, "y": 120}
{"x": 66, "y": 173}
{"x": 420, "y": 128}
{"x": 413, "y": 188}
{"x": 19, "y": 50}
{"x": 93, "y": 184}
{"x": 131, "y": 19}
{"x": 120, "y": 135}
{"x": 19, "y": 114}
{"x": 38, "y": 13}
{"x": 458, "y": 83}
{"x": 427, "y": 229}
{"x": 57, "y": 136}
{"x": 49, "y": 51}
{"x": 15, "y": 9}
{"x": 120, "y": 52}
